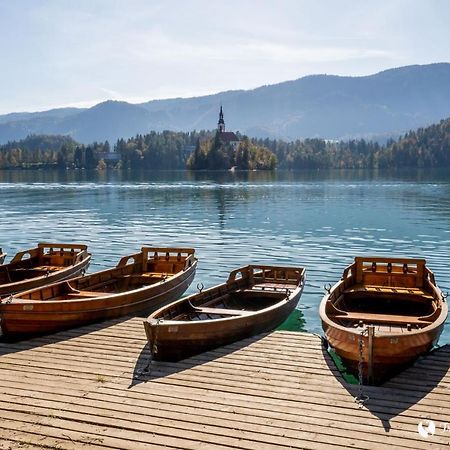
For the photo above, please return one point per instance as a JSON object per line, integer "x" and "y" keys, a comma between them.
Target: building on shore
{"x": 227, "y": 137}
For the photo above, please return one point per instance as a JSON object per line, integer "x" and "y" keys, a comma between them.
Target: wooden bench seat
{"x": 48, "y": 268}
{"x": 273, "y": 286}
{"x": 154, "y": 274}
{"x": 387, "y": 290}
{"x": 222, "y": 311}
{"x": 87, "y": 294}
{"x": 380, "y": 318}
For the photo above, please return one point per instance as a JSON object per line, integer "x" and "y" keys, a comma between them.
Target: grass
{"x": 100, "y": 378}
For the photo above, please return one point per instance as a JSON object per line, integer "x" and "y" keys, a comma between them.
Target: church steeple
{"x": 221, "y": 122}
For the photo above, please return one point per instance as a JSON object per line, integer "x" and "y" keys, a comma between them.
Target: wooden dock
{"x": 84, "y": 389}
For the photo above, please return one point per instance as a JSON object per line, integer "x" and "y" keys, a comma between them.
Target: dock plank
{"x": 85, "y": 388}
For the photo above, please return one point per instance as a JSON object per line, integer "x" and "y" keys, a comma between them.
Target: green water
{"x": 295, "y": 322}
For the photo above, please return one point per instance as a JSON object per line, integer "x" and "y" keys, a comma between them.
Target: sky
{"x": 56, "y": 53}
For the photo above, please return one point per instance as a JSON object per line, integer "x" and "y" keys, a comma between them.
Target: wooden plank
{"x": 211, "y": 429}
{"x": 95, "y": 374}
{"x": 184, "y": 381}
{"x": 170, "y": 410}
{"x": 276, "y": 390}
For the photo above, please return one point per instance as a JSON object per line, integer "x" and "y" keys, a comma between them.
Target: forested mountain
{"x": 378, "y": 106}
{"x": 424, "y": 148}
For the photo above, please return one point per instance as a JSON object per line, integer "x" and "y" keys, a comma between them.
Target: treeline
{"x": 213, "y": 154}
{"x": 160, "y": 151}
{"x": 44, "y": 151}
{"x": 426, "y": 147}
{"x": 166, "y": 150}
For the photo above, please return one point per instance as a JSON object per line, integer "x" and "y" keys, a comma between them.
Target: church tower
{"x": 221, "y": 122}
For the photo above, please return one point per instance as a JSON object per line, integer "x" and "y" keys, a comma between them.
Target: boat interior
{"x": 222, "y": 305}
{"x": 132, "y": 272}
{"x": 257, "y": 288}
{"x": 41, "y": 261}
{"x": 393, "y": 295}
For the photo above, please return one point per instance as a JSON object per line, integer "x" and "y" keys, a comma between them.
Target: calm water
{"x": 319, "y": 220}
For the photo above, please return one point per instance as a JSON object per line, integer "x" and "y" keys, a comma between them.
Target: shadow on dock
{"x": 147, "y": 369}
{"x": 405, "y": 389}
{"x": 20, "y": 343}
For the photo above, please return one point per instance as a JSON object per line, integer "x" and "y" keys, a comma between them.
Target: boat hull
{"x": 174, "y": 340}
{"x": 19, "y": 320}
{"x": 390, "y": 353}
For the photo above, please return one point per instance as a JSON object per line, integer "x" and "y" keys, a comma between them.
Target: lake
{"x": 316, "y": 219}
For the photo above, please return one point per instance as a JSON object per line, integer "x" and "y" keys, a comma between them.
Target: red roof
{"x": 228, "y": 136}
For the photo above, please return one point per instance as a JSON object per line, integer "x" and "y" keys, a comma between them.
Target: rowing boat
{"x": 2, "y": 256}
{"x": 382, "y": 314}
{"x": 139, "y": 283}
{"x": 44, "y": 264}
{"x": 253, "y": 300}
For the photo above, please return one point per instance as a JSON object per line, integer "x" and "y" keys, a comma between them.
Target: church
{"x": 227, "y": 137}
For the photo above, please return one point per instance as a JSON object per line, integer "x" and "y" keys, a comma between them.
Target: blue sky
{"x": 77, "y": 53}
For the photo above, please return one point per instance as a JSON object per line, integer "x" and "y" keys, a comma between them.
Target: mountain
{"x": 332, "y": 107}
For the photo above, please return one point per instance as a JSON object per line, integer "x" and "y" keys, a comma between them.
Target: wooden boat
{"x": 383, "y": 314}
{"x": 44, "y": 264}
{"x": 254, "y": 299}
{"x": 2, "y": 256}
{"x": 139, "y": 283}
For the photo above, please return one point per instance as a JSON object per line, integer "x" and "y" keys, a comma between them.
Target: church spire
{"x": 221, "y": 122}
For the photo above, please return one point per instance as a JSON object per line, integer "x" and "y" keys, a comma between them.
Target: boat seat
{"x": 380, "y": 318}
{"x": 223, "y": 311}
{"x": 48, "y": 268}
{"x": 155, "y": 274}
{"x": 383, "y": 290}
{"x": 86, "y": 294}
{"x": 273, "y": 286}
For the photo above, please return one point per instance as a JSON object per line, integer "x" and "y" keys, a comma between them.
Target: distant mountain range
{"x": 327, "y": 106}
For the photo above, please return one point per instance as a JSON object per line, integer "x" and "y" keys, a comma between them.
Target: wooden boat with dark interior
{"x": 139, "y": 283}
{"x": 44, "y": 264}
{"x": 382, "y": 315}
{"x": 253, "y": 300}
{"x": 2, "y": 256}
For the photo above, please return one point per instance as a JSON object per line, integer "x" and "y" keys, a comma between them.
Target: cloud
{"x": 63, "y": 52}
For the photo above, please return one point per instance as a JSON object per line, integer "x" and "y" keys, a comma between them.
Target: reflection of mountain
{"x": 389, "y": 102}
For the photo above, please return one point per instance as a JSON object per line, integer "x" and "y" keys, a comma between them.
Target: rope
{"x": 314, "y": 285}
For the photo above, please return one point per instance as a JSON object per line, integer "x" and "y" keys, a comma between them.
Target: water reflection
{"x": 319, "y": 219}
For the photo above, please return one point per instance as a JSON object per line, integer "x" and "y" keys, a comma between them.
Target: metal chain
{"x": 361, "y": 398}
{"x": 155, "y": 343}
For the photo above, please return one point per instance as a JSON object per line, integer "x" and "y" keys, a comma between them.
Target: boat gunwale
{"x": 226, "y": 289}
{"x": 18, "y": 300}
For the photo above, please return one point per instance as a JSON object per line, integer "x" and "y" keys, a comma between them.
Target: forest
{"x": 423, "y": 148}
{"x": 213, "y": 154}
